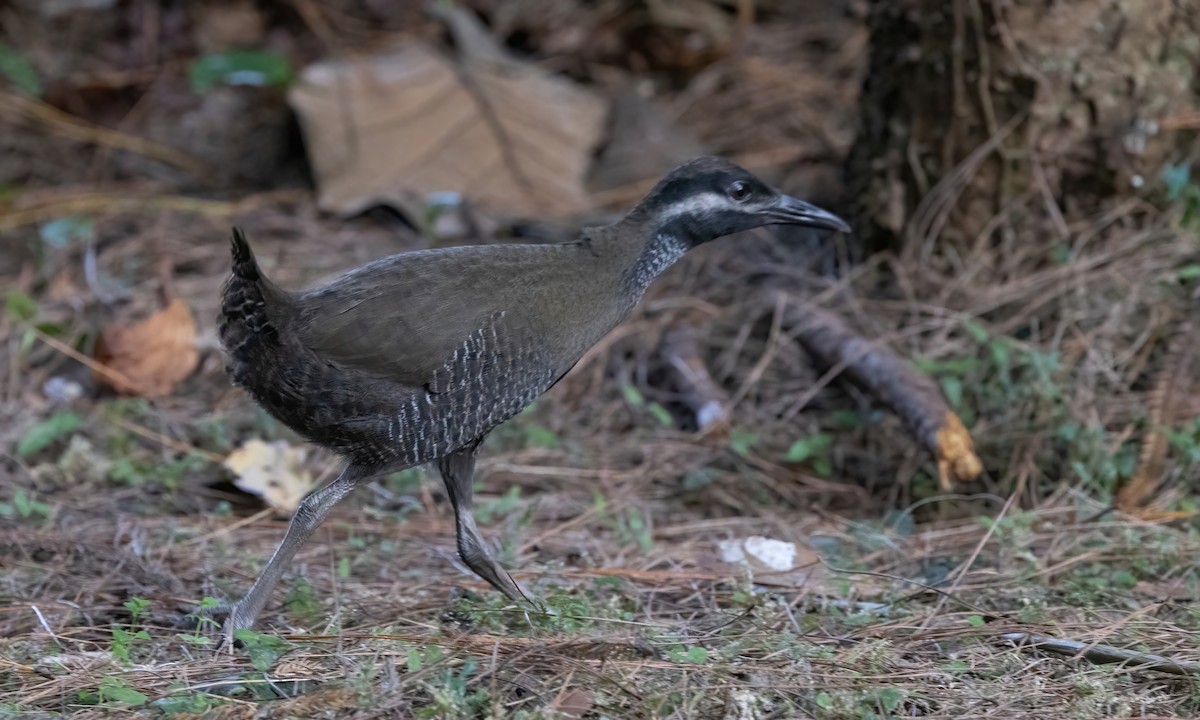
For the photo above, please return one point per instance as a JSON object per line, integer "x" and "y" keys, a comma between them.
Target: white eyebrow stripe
{"x": 695, "y": 205}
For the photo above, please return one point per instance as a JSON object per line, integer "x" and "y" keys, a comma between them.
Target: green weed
{"x": 113, "y": 691}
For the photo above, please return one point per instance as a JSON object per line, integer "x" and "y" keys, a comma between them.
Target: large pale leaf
{"x": 277, "y": 472}
{"x": 395, "y": 127}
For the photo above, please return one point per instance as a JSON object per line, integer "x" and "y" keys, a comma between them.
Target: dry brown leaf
{"x": 774, "y": 562}
{"x": 394, "y": 127}
{"x": 151, "y": 356}
{"x": 575, "y": 703}
{"x": 276, "y": 472}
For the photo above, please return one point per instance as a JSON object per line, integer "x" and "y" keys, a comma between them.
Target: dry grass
{"x": 907, "y": 602}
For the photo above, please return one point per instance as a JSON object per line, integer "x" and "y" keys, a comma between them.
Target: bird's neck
{"x": 640, "y": 251}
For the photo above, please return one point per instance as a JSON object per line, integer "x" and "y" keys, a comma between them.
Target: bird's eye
{"x": 738, "y": 191}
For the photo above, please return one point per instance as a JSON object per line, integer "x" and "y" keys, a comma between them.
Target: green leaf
{"x": 808, "y": 447}
{"x": 977, "y": 330}
{"x": 697, "y": 655}
{"x": 19, "y": 71}
{"x": 189, "y": 704}
{"x": 260, "y": 68}
{"x": 1189, "y": 272}
{"x": 660, "y": 414}
{"x": 701, "y": 477}
{"x": 890, "y": 699}
{"x": 19, "y": 305}
{"x": 301, "y": 601}
{"x": 1001, "y": 353}
{"x": 823, "y": 700}
{"x": 846, "y": 418}
{"x": 742, "y": 441}
{"x": 953, "y": 388}
{"x": 137, "y": 606}
{"x": 343, "y": 568}
{"x": 41, "y": 435}
{"x": 540, "y": 436}
{"x": 975, "y": 620}
{"x": 1177, "y": 178}
{"x": 263, "y": 649}
{"x": 414, "y": 660}
{"x": 641, "y": 534}
{"x": 200, "y": 640}
{"x": 1124, "y": 579}
{"x": 22, "y": 503}
{"x": 115, "y": 690}
{"x": 633, "y": 396}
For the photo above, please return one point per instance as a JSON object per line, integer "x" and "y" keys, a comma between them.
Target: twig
{"x": 226, "y": 529}
{"x": 1022, "y": 478}
{"x": 39, "y": 207}
{"x": 768, "y": 355}
{"x": 45, "y": 625}
{"x": 163, "y": 440}
{"x": 1102, "y": 654}
{"x": 78, "y": 129}
{"x": 101, "y": 369}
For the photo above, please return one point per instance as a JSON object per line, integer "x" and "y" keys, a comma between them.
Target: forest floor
{"x": 1023, "y": 594}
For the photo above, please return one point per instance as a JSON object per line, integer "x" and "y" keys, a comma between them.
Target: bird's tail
{"x": 246, "y": 329}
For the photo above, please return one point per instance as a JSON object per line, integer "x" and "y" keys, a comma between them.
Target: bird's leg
{"x": 457, "y": 470}
{"x": 312, "y": 511}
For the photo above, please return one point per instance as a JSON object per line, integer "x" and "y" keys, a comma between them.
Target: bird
{"x": 414, "y": 358}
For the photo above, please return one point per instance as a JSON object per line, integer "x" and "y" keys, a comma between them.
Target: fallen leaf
{"x": 775, "y": 562}
{"x": 150, "y": 357}
{"x": 575, "y": 703}
{"x": 275, "y": 471}
{"x": 760, "y": 553}
{"x": 395, "y": 127}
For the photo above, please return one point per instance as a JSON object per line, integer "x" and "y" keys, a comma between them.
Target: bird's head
{"x": 710, "y": 197}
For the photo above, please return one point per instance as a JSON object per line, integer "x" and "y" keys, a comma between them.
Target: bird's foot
{"x": 201, "y": 619}
{"x": 239, "y": 618}
{"x": 208, "y": 615}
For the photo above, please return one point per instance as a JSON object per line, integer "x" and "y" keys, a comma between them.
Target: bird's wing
{"x": 406, "y": 317}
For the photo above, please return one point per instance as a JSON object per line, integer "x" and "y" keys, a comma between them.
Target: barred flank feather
{"x": 244, "y": 320}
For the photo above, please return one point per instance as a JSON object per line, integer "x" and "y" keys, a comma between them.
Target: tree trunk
{"x": 981, "y": 117}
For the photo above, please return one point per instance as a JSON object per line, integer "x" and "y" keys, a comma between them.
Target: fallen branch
{"x": 698, "y": 390}
{"x": 1171, "y": 387}
{"x": 913, "y": 396}
{"x": 1102, "y": 654}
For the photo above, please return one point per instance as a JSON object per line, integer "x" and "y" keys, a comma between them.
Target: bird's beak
{"x": 789, "y": 210}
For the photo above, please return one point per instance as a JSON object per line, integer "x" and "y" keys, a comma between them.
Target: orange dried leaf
{"x": 150, "y": 357}
{"x": 955, "y": 452}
